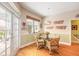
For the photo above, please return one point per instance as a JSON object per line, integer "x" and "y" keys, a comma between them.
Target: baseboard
{"x": 16, "y": 52}
{"x": 27, "y": 44}
{"x": 75, "y": 42}
{"x": 65, "y": 43}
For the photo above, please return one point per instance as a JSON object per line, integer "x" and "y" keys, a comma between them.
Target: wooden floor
{"x": 64, "y": 50}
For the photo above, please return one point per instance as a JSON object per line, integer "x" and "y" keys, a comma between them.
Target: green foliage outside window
{"x": 2, "y": 34}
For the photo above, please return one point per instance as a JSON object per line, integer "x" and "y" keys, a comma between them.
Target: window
{"x": 2, "y": 30}
{"x": 33, "y": 26}
{"x": 36, "y": 26}
{"x": 2, "y": 26}
{"x": 30, "y": 26}
{"x": 2, "y": 23}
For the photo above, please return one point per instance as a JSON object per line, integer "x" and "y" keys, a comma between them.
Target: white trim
{"x": 16, "y": 52}
{"x": 27, "y": 44}
{"x": 65, "y": 43}
{"x": 75, "y": 42}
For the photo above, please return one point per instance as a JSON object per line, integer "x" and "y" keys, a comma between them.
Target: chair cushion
{"x": 40, "y": 40}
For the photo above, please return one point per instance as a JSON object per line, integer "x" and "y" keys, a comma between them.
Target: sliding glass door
{"x": 2, "y": 31}
{"x": 9, "y": 32}
{"x": 15, "y": 33}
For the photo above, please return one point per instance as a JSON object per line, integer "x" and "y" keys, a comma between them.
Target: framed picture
{"x": 74, "y": 27}
{"x": 23, "y": 25}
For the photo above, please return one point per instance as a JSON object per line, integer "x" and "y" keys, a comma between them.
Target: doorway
{"x": 75, "y": 31}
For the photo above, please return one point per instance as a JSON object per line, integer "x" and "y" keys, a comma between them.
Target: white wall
{"x": 65, "y": 34}
{"x": 25, "y": 37}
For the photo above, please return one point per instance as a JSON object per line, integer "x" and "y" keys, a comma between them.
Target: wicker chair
{"x": 40, "y": 41}
{"x": 53, "y": 44}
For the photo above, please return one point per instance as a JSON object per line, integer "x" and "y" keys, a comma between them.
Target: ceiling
{"x": 50, "y": 8}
